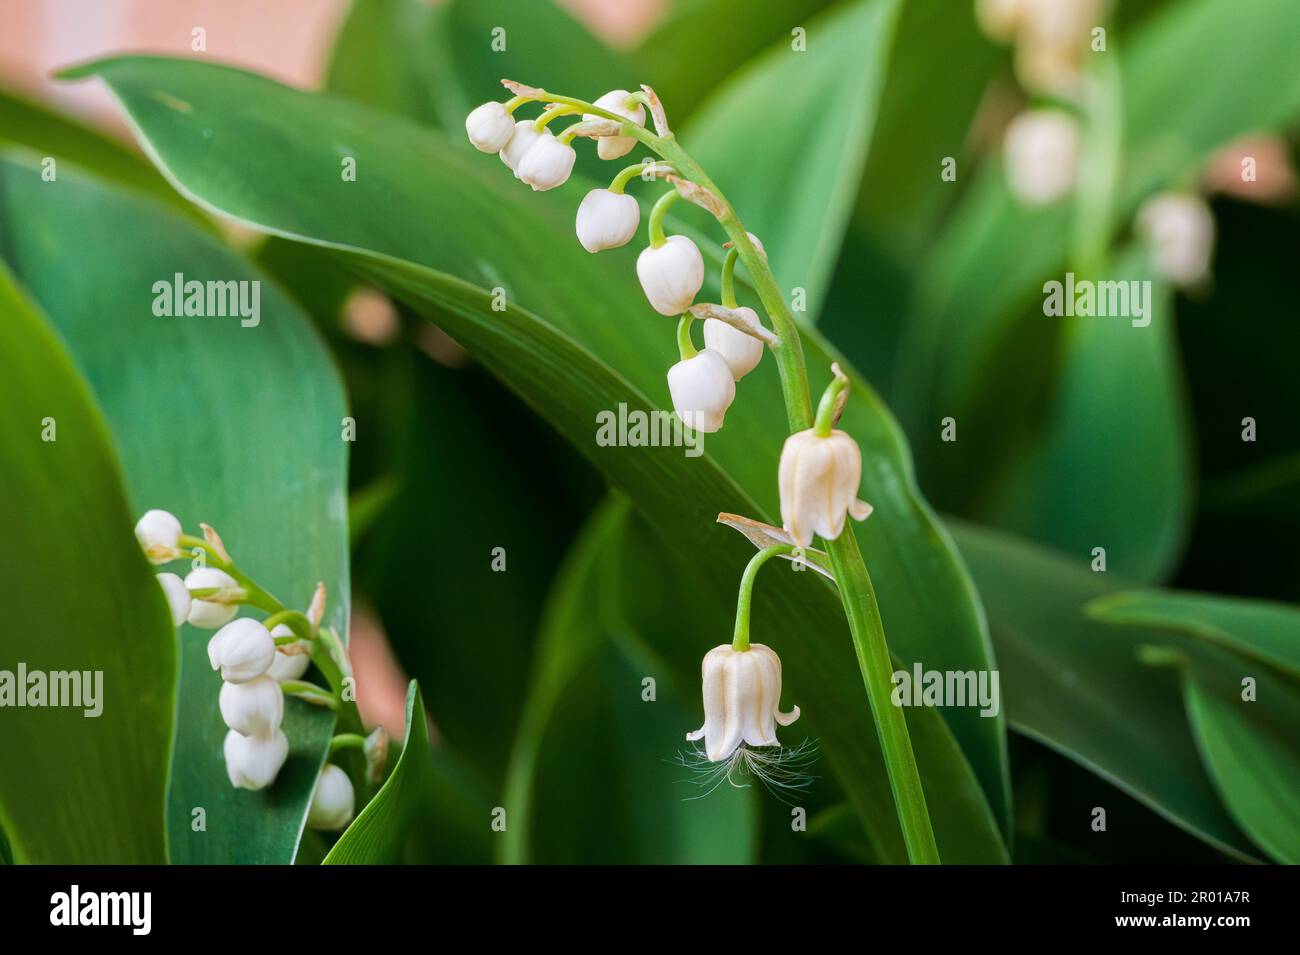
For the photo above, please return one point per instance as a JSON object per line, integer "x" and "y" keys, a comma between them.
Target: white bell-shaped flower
{"x": 742, "y": 696}
{"x": 607, "y": 220}
{"x": 252, "y": 762}
{"x": 332, "y": 802}
{"x": 547, "y": 164}
{"x": 818, "y": 479}
{"x": 741, "y": 352}
{"x": 242, "y": 650}
{"x": 615, "y": 101}
{"x": 1000, "y": 19}
{"x": 178, "y": 597}
{"x": 1179, "y": 228}
{"x": 524, "y": 137}
{"x": 291, "y": 659}
{"x": 671, "y": 274}
{"x": 490, "y": 127}
{"x": 702, "y": 390}
{"x": 253, "y": 708}
{"x": 207, "y": 613}
{"x": 1041, "y": 152}
{"x": 159, "y": 534}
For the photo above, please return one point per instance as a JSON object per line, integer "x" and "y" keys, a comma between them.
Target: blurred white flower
{"x": 178, "y": 597}
{"x": 252, "y": 762}
{"x": 547, "y": 164}
{"x": 741, "y": 352}
{"x": 702, "y": 390}
{"x": 1179, "y": 228}
{"x": 242, "y": 650}
{"x": 742, "y": 696}
{"x": 818, "y": 480}
{"x": 1041, "y": 149}
{"x": 1000, "y": 19}
{"x": 253, "y": 708}
{"x": 206, "y": 613}
{"x": 615, "y": 101}
{"x": 671, "y": 275}
{"x": 489, "y": 127}
{"x": 159, "y": 535}
{"x": 333, "y": 801}
{"x": 607, "y": 220}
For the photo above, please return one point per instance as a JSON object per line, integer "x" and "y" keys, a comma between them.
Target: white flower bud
{"x": 615, "y": 101}
{"x": 742, "y": 696}
{"x": 333, "y": 801}
{"x": 288, "y": 666}
{"x": 1041, "y": 150}
{"x": 607, "y": 220}
{"x": 1180, "y": 230}
{"x": 254, "y": 708}
{"x": 741, "y": 352}
{"x": 522, "y": 140}
{"x": 178, "y": 597}
{"x": 818, "y": 480}
{"x": 702, "y": 390}
{"x": 489, "y": 127}
{"x": 159, "y": 534}
{"x": 252, "y": 762}
{"x": 547, "y": 164}
{"x": 242, "y": 650}
{"x": 206, "y": 613}
{"x": 671, "y": 275}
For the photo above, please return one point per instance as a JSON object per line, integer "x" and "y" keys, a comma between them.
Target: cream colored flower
{"x": 742, "y": 696}
{"x": 818, "y": 479}
{"x": 252, "y": 762}
{"x": 615, "y": 101}
{"x": 1179, "y": 229}
{"x": 1041, "y": 152}
{"x": 333, "y": 801}
{"x": 254, "y": 707}
{"x": 159, "y": 534}
{"x": 702, "y": 389}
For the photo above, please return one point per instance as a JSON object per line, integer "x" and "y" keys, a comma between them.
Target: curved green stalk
{"x": 685, "y": 347}
{"x": 740, "y": 639}
{"x": 729, "y": 278}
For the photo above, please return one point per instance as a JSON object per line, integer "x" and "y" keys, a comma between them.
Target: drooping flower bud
{"x": 547, "y": 164}
{"x": 253, "y": 708}
{"x": 742, "y": 696}
{"x": 741, "y": 352}
{"x": 489, "y": 127}
{"x": 333, "y": 801}
{"x": 818, "y": 479}
{"x": 242, "y": 650}
{"x": 291, "y": 659}
{"x": 1041, "y": 150}
{"x": 702, "y": 390}
{"x": 1180, "y": 230}
{"x": 209, "y": 614}
{"x": 615, "y": 101}
{"x": 159, "y": 534}
{"x": 252, "y": 762}
{"x": 524, "y": 137}
{"x": 178, "y": 597}
{"x": 607, "y": 220}
{"x": 671, "y": 274}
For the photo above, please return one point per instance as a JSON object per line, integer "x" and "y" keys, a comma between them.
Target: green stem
{"x": 825, "y": 422}
{"x": 344, "y": 740}
{"x": 297, "y": 622}
{"x": 639, "y": 169}
{"x": 661, "y": 207}
{"x": 740, "y": 641}
{"x": 515, "y": 102}
{"x": 551, "y": 115}
{"x": 729, "y": 278}
{"x": 685, "y": 347}
{"x": 257, "y": 597}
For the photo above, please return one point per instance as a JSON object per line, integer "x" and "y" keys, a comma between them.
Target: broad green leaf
{"x": 239, "y": 427}
{"x": 425, "y": 812}
{"x": 571, "y": 319}
{"x": 1076, "y": 685}
{"x": 82, "y": 779}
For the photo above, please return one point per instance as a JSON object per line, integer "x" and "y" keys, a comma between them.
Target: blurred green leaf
{"x": 79, "y": 784}
{"x": 387, "y": 54}
{"x": 238, "y": 427}
{"x": 564, "y": 365}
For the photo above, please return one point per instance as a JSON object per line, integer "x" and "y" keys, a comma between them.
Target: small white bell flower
{"x": 818, "y": 479}
{"x": 702, "y": 390}
{"x": 159, "y": 534}
{"x": 333, "y": 801}
{"x": 1180, "y": 230}
{"x": 671, "y": 275}
{"x": 547, "y": 164}
{"x": 742, "y": 696}
{"x": 242, "y": 650}
{"x": 253, "y": 708}
{"x": 206, "y": 613}
{"x": 252, "y": 762}
{"x": 288, "y": 666}
{"x": 490, "y": 127}
{"x": 615, "y": 101}
{"x": 607, "y": 220}
{"x": 521, "y": 140}
{"x": 1000, "y": 19}
{"x": 741, "y": 352}
{"x": 1041, "y": 150}
{"x": 178, "y": 597}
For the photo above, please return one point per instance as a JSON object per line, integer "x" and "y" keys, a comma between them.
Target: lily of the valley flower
{"x": 490, "y": 127}
{"x": 333, "y": 801}
{"x": 1041, "y": 150}
{"x": 159, "y": 534}
{"x": 615, "y": 101}
{"x": 742, "y": 695}
{"x": 741, "y": 352}
{"x": 254, "y": 707}
{"x": 524, "y": 137}
{"x": 671, "y": 274}
{"x": 209, "y": 614}
{"x": 702, "y": 389}
{"x": 242, "y": 650}
{"x": 1179, "y": 228}
{"x": 178, "y": 597}
{"x": 252, "y": 762}
{"x": 607, "y": 219}
{"x": 547, "y": 164}
{"x": 818, "y": 478}
{"x": 291, "y": 660}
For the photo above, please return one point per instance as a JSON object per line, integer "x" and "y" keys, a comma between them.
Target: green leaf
{"x": 237, "y": 427}
{"x": 570, "y": 320}
{"x": 79, "y": 784}
{"x": 426, "y": 811}
{"x": 1076, "y": 686}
